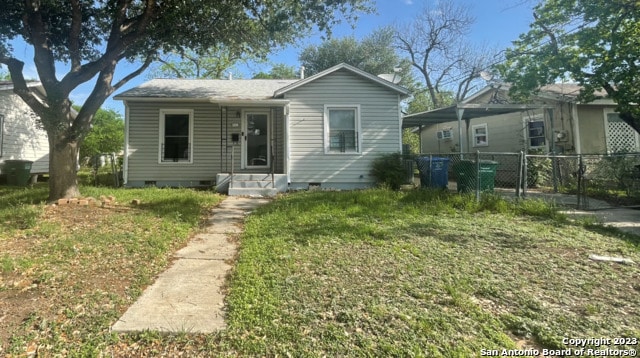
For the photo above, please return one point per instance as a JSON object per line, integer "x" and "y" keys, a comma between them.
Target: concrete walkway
{"x": 624, "y": 218}
{"x": 188, "y": 297}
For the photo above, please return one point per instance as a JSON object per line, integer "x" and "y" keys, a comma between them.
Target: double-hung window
{"x": 536, "y": 133}
{"x": 342, "y": 129}
{"x": 480, "y": 135}
{"x": 176, "y": 134}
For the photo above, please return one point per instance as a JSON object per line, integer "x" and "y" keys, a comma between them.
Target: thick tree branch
{"x": 129, "y": 77}
{"x": 74, "y": 35}
{"x": 116, "y": 44}
{"x": 102, "y": 90}
{"x": 20, "y": 85}
{"x": 43, "y": 55}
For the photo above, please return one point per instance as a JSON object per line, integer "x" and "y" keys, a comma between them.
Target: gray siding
{"x": 505, "y": 134}
{"x": 379, "y": 122}
{"x": 21, "y": 137}
{"x": 144, "y": 121}
{"x": 592, "y": 128}
{"x": 212, "y": 145}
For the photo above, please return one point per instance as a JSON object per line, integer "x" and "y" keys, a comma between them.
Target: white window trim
{"x": 440, "y": 134}
{"x": 164, "y": 112}
{"x": 486, "y": 134}
{"x": 536, "y": 118}
{"x": 243, "y": 148}
{"x": 327, "y": 144}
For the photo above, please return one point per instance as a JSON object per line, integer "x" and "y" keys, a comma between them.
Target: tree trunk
{"x": 63, "y": 161}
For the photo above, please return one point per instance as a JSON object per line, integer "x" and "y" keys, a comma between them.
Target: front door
{"x": 256, "y": 146}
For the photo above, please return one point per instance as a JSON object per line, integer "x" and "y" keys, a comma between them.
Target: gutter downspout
{"x": 400, "y": 124}
{"x": 576, "y": 128}
{"x": 125, "y": 165}
{"x": 287, "y": 146}
{"x": 460, "y": 112}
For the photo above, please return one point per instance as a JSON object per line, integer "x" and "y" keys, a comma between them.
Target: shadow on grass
{"x": 12, "y": 195}
{"x": 614, "y": 232}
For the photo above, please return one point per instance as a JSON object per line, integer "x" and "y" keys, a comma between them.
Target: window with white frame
{"x": 480, "y": 135}
{"x": 342, "y": 127}
{"x": 444, "y": 134}
{"x": 176, "y": 134}
{"x": 535, "y": 131}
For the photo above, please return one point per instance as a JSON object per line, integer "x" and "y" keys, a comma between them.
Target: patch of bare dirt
{"x": 41, "y": 288}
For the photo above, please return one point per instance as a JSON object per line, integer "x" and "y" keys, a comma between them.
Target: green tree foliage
{"x": 210, "y": 63}
{"x": 592, "y": 42}
{"x": 93, "y": 37}
{"x": 279, "y": 71}
{"x": 374, "y": 54}
{"x": 412, "y": 139}
{"x": 421, "y": 101}
{"x": 106, "y": 134}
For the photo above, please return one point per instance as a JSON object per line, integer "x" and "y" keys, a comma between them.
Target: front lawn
{"x": 68, "y": 272}
{"x": 363, "y": 273}
{"x": 378, "y": 273}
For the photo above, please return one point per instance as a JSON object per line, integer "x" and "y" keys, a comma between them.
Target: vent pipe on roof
{"x": 230, "y": 75}
{"x": 302, "y": 72}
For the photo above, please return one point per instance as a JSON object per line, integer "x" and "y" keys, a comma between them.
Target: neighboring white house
{"x": 553, "y": 121}
{"x": 20, "y": 135}
{"x": 261, "y": 135}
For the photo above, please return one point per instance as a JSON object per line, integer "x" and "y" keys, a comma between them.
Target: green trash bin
{"x": 466, "y": 175}
{"x": 18, "y": 172}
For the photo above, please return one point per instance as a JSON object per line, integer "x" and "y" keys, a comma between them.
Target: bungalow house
{"x": 21, "y": 137}
{"x": 261, "y": 136}
{"x": 553, "y": 122}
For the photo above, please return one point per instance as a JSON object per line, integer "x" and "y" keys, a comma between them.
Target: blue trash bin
{"x": 434, "y": 172}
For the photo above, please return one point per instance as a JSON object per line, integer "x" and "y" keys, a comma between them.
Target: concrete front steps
{"x": 251, "y": 184}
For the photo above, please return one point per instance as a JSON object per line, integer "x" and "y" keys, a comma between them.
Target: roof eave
{"x": 219, "y": 101}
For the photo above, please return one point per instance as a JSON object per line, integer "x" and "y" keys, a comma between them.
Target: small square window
{"x": 480, "y": 135}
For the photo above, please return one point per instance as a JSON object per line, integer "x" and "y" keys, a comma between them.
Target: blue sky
{"x": 497, "y": 23}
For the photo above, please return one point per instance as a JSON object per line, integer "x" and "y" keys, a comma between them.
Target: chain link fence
{"x": 612, "y": 177}
{"x": 473, "y": 172}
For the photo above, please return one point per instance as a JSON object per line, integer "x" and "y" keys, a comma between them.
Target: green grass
{"x": 380, "y": 273}
{"x": 364, "y": 273}
{"x": 86, "y": 265}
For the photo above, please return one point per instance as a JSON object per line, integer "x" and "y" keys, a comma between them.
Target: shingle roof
{"x": 214, "y": 90}
{"x": 237, "y": 90}
{"x": 8, "y": 85}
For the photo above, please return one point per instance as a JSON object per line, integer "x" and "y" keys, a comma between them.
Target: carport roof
{"x": 469, "y": 110}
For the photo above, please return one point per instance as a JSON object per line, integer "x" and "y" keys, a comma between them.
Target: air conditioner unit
{"x": 562, "y": 136}
{"x": 444, "y": 134}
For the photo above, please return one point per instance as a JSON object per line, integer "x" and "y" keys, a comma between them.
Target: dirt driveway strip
{"x": 188, "y": 296}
